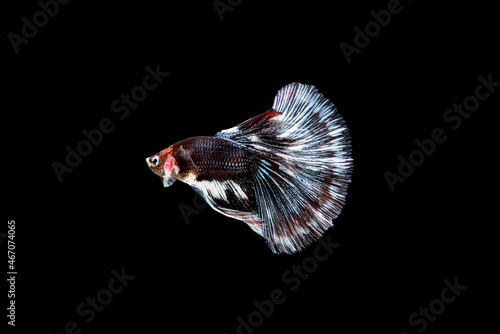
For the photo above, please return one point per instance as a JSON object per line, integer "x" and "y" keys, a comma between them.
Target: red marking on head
{"x": 166, "y": 151}
{"x": 170, "y": 163}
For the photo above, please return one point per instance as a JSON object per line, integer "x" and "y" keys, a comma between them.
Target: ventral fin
{"x": 232, "y": 197}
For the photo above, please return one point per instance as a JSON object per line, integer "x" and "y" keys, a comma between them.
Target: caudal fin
{"x": 305, "y": 165}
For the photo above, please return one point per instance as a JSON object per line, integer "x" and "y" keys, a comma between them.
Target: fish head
{"x": 164, "y": 165}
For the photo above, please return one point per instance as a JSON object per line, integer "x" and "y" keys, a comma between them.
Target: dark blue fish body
{"x": 284, "y": 172}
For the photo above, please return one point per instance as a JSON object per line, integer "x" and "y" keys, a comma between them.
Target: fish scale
{"x": 215, "y": 155}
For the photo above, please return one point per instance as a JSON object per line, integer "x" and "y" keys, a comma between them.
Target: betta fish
{"x": 284, "y": 172}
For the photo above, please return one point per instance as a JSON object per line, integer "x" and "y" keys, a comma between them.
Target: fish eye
{"x": 155, "y": 160}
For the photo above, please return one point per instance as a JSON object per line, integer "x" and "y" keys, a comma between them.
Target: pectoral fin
{"x": 167, "y": 181}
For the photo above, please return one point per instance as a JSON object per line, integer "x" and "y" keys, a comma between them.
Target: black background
{"x": 112, "y": 212}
